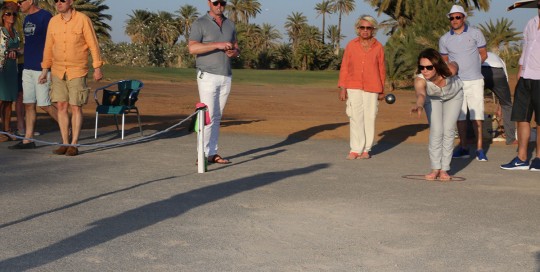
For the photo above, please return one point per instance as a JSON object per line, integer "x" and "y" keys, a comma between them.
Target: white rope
{"x": 141, "y": 139}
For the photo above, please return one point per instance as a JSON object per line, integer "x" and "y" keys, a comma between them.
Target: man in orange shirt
{"x": 70, "y": 36}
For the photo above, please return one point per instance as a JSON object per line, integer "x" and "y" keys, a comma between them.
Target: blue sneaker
{"x": 461, "y": 153}
{"x": 535, "y": 165}
{"x": 480, "y": 155}
{"x": 516, "y": 164}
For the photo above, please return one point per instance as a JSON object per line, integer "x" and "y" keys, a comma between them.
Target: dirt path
{"x": 269, "y": 110}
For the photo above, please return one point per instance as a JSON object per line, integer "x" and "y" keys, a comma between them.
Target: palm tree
{"x": 93, "y": 9}
{"x": 342, "y": 6}
{"x": 294, "y": 25}
{"x": 250, "y": 9}
{"x": 323, "y": 8}
{"x": 242, "y": 10}
{"x": 309, "y": 45}
{"x": 403, "y": 12}
{"x": 478, "y": 4}
{"x": 165, "y": 28}
{"x": 283, "y": 56}
{"x": 249, "y": 38}
{"x": 187, "y": 14}
{"x": 397, "y": 7}
{"x": 333, "y": 36}
{"x": 512, "y": 55}
{"x": 499, "y": 34}
{"x": 269, "y": 37}
{"x": 137, "y": 24}
{"x": 250, "y": 34}
{"x": 402, "y": 48}
{"x": 233, "y": 10}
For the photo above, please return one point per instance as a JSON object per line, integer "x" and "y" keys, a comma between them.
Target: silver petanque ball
{"x": 390, "y": 98}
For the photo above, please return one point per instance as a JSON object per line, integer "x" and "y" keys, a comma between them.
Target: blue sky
{"x": 275, "y": 13}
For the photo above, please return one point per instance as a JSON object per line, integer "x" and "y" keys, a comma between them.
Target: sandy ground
{"x": 269, "y": 110}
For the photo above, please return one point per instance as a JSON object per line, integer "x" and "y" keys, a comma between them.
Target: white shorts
{"x": 33, "y": 92}
{"x": 473, "y": 99}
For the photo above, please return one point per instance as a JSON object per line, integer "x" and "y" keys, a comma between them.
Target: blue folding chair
{"x": 118, "y": 98}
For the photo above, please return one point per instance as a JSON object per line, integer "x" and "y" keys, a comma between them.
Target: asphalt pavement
{"x": 284, "y": 204}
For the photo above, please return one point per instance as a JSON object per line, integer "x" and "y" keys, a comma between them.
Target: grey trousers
{"x": 496, "y": 81}
{"x": 443, "y": 118}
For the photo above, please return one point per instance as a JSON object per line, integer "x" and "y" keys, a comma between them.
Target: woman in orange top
{"x": 361, "y": 80}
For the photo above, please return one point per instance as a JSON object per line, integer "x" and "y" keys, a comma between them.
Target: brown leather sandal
{"x": 218, "y": 159}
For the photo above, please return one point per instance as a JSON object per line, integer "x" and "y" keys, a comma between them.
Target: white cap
{"x": 457, "y": 8}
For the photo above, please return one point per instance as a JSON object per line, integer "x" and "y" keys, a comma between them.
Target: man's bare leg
{"x": 524, "y": 134}
{"x": 479, "y": 137}
{"x": 30, "y": 109}
{"x": 76, "y": 123}
{"x": 63, "y": 120}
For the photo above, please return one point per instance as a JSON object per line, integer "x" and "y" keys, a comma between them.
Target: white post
{"x": 201, "y": 159}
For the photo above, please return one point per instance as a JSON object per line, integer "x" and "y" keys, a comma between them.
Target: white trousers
{"x": 213, "y": 91}
{"x": 362, "y": 109}
{"x": 443, "y": 118}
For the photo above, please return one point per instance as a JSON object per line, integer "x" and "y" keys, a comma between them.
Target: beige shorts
{"x": 73, "y": 91}
{"x": 473, "y": 100}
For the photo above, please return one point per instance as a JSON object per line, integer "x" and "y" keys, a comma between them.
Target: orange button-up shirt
{"x": 67, "y": 45}
{"x": 362, "y": 69}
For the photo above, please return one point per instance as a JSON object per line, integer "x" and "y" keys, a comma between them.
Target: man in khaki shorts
{"x": 70, "y": 36}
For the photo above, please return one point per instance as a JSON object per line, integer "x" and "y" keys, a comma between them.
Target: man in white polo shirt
{"x": 467, "y": 46}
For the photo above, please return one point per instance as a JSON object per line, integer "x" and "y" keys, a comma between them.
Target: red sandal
{"x": 444, "y": 176}
{"x": 432, "y": 176}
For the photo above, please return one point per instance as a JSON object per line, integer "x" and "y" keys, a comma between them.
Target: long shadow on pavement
{"x": 538, "y": 261}
{"x": 393, "y": 137}
{"x": 80, "y": 202}
{"x": 133, "y": 220}
{"x": 293, "y": 138}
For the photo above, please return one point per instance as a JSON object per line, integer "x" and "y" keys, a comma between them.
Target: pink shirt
{"x": 362, "y": 69}
{"x": 67, "y": 45}
{"x": 530, "y": 59}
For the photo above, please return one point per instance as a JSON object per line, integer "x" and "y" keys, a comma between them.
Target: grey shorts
{"x": 33, "y": 91}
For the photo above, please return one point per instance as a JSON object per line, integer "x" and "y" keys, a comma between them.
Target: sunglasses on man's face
{"x": 222, "y": 3}
{"x": 422, "y": 67}
{"x": 365, "y": 27}
{"x": 20, "y": 2}
{"x": 451, "y": 18}
{"x": 61, "y": 1}
{"x": 9, "y": 14}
